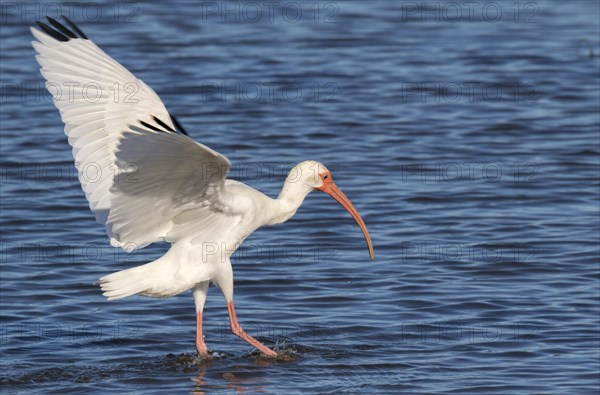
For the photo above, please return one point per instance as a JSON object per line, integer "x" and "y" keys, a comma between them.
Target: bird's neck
{"x": 290, "y": 199}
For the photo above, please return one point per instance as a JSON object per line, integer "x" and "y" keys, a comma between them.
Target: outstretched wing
{"x": 136, "y": 165}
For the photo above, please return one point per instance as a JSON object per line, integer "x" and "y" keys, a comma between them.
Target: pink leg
{"x": 200, "y": 345}
{"x": 238, "y": 331}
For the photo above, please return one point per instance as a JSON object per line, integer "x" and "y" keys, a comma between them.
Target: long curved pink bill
{"x": 332, "y": 190}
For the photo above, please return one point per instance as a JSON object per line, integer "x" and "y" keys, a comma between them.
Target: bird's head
{"x": 313, "y": 175}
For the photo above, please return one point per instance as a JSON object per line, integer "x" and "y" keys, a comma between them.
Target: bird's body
{"x": 147, "y": 181}
{"x": 196, "y": 258}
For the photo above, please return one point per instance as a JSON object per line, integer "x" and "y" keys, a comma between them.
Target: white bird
{"x": 147, "y": 181}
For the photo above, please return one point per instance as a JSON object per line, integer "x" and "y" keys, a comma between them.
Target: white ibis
{"x": 147, "y": 181}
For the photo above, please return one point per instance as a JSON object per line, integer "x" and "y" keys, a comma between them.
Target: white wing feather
{"x": 137, "y": 179}
{"x": 168, "y": 174}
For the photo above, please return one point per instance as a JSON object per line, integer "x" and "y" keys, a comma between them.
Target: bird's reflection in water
{"x": 237, "y": 379}
{"x": 242, "y": 378}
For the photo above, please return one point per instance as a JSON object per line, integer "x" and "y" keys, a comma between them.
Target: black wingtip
{"x": 165, "y": 128}
{"x": 74, "y": 27}
{"x": 60, "y": 31}
{"x": 151, "y": 127}
{"x": 52, "y": 32}
{"x": 63, "y": 30}
{"x": 164, "y": 125}
{"x": 178, "y": 125}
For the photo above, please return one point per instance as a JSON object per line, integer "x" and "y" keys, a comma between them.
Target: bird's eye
{"x": 325, "y": 177}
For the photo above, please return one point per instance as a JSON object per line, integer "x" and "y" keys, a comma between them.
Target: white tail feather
{"x": 127, "y": 282}
{"x": 157, "y": 279}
